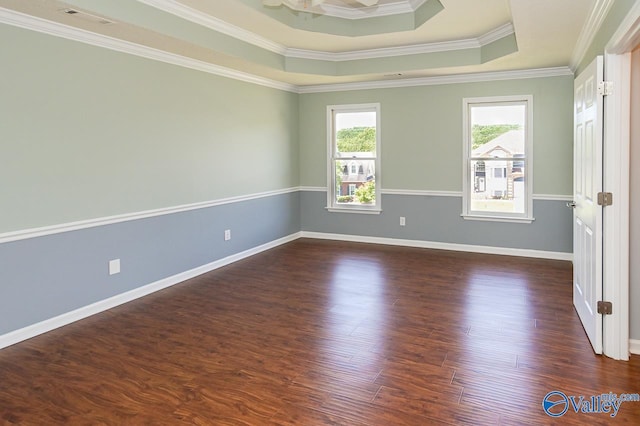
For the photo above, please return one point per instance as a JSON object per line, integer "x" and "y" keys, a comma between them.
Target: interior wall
{"x": 634, "y": 199}
{"x": 421, "y": 131}
{"x": 88, "y": 134}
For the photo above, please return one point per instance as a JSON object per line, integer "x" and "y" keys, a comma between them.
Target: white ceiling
{"x": 246, "y": 37}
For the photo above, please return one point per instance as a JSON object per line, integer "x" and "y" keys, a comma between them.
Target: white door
{"x": 587, "y": 214}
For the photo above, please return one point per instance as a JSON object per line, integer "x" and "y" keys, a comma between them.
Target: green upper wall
{"x": 88, "y": 132}
{"x": 421, "y": 130}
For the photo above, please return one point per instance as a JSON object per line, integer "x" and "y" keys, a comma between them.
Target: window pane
{"x": 497, "y": 186}
{"x": 355, "y": 133}
{"x": 355, "y": 181}
{"x": 497, "y": 131}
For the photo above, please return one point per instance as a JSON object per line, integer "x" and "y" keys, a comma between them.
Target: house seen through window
{"x": 497, "y": 158}
{"x": 353, "y": 167}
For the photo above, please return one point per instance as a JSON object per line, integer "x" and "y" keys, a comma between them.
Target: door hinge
{"x": 605, "y": 198}
{"x": 605, "y": 88}
{"x": 605, "y": 308}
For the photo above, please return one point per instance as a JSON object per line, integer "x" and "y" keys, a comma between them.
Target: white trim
{"x": 438, "y": 193}
{"x": 489, "y": 218}
{"x": 353, "y": 210}
{"x": 589, "y": 30}
{"x": 313, "y": 188}
{"x": 21, "y": 20}
{"x": 552, "y": 197}
{"x": 193, "y": 15}
{"x": 332, "y": 110}
{"x": 56, "y": 29}
{"x": 634, "y": 346}
{"x": 198, "y": 17}
{"x": 415, "y": 49}
{"x": 440, "y": 80}
{"x": 616, "y": 217}
{"x": 419, "y": 192}
{"x": 616, "y": 180}
{"x": 33, "y": 330}
{"x": 409, "y": 6}
{"x": 627, "y": 36}
{"x": 496, "y": 34}
{"x": 467, "y": 213}
{"x": 441, "y": 246}
{"x": 384, "y": 52}
{"x": 108, "y": 220}
{"x": 24, "y": 234}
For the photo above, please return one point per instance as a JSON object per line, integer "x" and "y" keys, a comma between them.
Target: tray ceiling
{"x": 340, "y": 41}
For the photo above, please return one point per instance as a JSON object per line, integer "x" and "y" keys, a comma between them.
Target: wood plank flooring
{"x": 320, "y": 332}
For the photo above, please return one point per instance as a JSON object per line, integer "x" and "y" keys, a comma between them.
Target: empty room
{"x": 310, "y": 212}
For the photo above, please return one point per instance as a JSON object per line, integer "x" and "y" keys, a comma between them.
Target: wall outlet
{"x": 114, "y": 266}
{"x": 403, "y": 222}
{"x": 227, "y": 234}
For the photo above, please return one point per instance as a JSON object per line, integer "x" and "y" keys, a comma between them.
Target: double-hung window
{"x": 498, "y": 158}
{"x": 353, "y": 169}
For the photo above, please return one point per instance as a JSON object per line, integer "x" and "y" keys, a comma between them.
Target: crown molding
{"x": 193, "y": 15}
{"x": 589, "y": 30}
{"x": 495, "y": 35}
{"x": 384, "y": 52}
{"x": 416, "y": 49}
{"x": 21, "y": 20}
{"x": 439, "y": 80}
{"x": 627, "y": 36}
{"x": 389, "y": 9}
{"x": 185, "y": 12}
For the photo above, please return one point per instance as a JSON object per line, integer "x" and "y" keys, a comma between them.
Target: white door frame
{"x": 617, "y": 68}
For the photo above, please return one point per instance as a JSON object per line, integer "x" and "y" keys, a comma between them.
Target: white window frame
{"x": 467, "y": 213}
{"x": 332, "y": 206}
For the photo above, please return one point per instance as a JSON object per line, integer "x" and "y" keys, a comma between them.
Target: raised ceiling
{"x": 339, "y": 41}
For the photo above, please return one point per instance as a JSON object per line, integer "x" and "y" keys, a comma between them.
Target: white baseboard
{"x": 33, "y": 330}
{"x": 634, "y": 346}
{"x": 441, "y": 246}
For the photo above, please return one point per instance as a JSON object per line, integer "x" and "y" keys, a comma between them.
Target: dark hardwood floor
{"x": 321, "y": 332}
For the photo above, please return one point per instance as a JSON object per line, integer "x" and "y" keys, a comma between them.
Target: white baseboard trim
{"x": 441, "y": 246}
{"x": 634, "y": 346}
{"x": 33, "y": 330}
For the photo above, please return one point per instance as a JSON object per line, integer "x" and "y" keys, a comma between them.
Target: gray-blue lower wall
{"x": 43, "y": 277}
{"x": 437, "y": 219}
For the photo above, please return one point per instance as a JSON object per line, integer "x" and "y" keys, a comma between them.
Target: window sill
{"x": 498, "y": 218}
{"x": 354, "y": 210}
